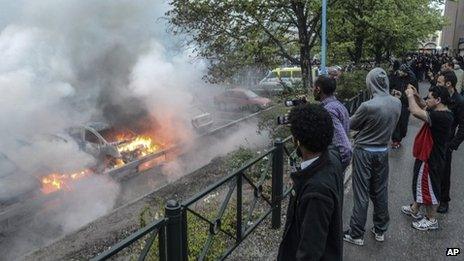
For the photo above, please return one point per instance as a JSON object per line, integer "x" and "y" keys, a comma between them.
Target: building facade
{"x": 453, "y": 33}
{"x": 431, "y": 44}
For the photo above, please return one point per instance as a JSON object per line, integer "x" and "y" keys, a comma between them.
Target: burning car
{"x": 241, "y": 99}
{"x": 113, "y": 147}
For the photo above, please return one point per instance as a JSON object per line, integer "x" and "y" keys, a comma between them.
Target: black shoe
{"x": 443, "y": 208}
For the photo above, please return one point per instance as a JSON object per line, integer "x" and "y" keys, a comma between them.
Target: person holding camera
{"x": 430, "y": 152}
{"x": 375, "y": 121}
{"x": 402, "y": 76}
{"x": 313, "y": 229}
{"x": 323, "y": 91}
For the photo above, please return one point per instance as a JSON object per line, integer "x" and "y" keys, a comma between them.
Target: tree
{"x": 233, "y": 34}
{"x": 381, "y": 27}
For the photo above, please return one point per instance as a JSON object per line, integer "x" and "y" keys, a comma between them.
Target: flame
{"x": 58, "y": 181}
{"x": 142, "y": 145}
{"x": 131, "y": 149}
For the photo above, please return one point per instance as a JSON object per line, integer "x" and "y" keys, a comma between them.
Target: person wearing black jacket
{"x": 448, "y": 80}
{"x": 399, "y": 80}
{"x": 313, "y": 230}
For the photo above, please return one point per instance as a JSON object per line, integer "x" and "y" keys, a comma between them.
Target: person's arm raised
{"x": 414, "y": 108}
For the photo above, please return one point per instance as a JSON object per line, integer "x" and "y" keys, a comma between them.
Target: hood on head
{"x": 377, "y": 82}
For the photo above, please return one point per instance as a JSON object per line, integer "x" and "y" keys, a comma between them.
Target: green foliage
{"x": 239, "y": 157}
{"x": 349, "y": 84}
{"x": 376, "y": 28}
{"x": 198, "y": 231}
{"x": 235, "y": 34}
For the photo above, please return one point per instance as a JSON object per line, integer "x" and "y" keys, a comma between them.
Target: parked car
{"x": 240, "y": 99}
{"x": 201, "y": 120}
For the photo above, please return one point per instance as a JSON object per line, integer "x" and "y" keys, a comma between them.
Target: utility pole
{"x": 323, "y": 69}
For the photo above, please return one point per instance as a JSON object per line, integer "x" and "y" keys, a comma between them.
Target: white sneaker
{"x": 408, "y": 211}
{"x": 357, "y": 241}
{"x": 425, "y": 224}
{"x": 380, "y": 237}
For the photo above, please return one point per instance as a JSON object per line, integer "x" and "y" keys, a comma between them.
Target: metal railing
{"x": 173, "y": 230}
{"x": 353, "y": 104}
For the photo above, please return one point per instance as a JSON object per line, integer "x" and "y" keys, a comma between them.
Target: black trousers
{"x": 402, "y": 126}
{"x": 446, "y": 178}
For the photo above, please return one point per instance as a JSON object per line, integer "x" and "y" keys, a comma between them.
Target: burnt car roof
{"x": 98, "y": 126}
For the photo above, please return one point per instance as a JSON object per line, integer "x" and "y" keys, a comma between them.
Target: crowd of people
{"x": 314, "y": 227}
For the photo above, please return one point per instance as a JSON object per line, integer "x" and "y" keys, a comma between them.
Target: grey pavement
{"x": 402, "y": 241}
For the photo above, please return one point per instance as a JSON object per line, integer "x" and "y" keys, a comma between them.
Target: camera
{"x": 295, "y": 102}
{"x": 282, "y": 120}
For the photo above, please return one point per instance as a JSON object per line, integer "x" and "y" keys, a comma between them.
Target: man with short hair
{"x": 375, "y": 120}
{"x": 429, "y": 150}
{"x": 323, "y": 91}
{"x": 448, "y": 80}
{"x": 313, "y": 230}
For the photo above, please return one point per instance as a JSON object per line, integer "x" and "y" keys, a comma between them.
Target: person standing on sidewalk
{"x": 460, "y": 77}
{"x": 375, "y": 120}
{"x": 323, "y": 91}
{"x": 448, "y": 81}
{"x": 313, "y": 230}
{"x": 430, "y": 152}
{"x": 404, "y": 76}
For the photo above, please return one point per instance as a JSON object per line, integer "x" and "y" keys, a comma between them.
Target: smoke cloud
{"x": 65, "y": 63}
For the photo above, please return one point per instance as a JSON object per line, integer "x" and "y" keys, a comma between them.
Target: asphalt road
{"x": 402, "y": 241}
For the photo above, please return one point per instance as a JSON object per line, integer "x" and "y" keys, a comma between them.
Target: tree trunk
{"x": 358, "y": 48}
{"x": 305, "y": 66}
{"x": 303, "y": 40}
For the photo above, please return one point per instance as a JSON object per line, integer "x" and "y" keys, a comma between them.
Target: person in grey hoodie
{"x": 375, "y": 121}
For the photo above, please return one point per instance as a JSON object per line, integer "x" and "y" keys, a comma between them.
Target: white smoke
{"x": 64, "y": 63}
{"x": 245, "y": 135}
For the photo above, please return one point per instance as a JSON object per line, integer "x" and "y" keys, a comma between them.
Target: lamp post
{"x": 323, "y": 69}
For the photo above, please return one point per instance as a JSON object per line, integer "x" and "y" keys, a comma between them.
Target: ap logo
{"x": 453, "y": 251}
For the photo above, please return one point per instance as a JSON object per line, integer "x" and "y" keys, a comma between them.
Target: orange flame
{"x": 58, "y": 181}
{"x": 135, "y": 147}
{"x": 142, "y": 144}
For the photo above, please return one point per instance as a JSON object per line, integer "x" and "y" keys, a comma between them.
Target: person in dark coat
{"x": 448, "y": 80}
{"x": 398, "y": 82}
{"x": 313, "y": 230}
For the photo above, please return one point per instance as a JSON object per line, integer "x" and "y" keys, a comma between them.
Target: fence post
{"x": 173, "y": 213}
{"x": 277, "y": 182}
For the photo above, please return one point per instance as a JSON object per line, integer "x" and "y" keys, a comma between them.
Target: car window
{"x": 90, "y": 137}
{"x": 243, "y": 94}
{"x": 271, "y": 75}
{"x": 250, "y": 94}
{"x": 285, "y": 74}
{"x": 296, "y": 74}
{"x": 234, "y": 94}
